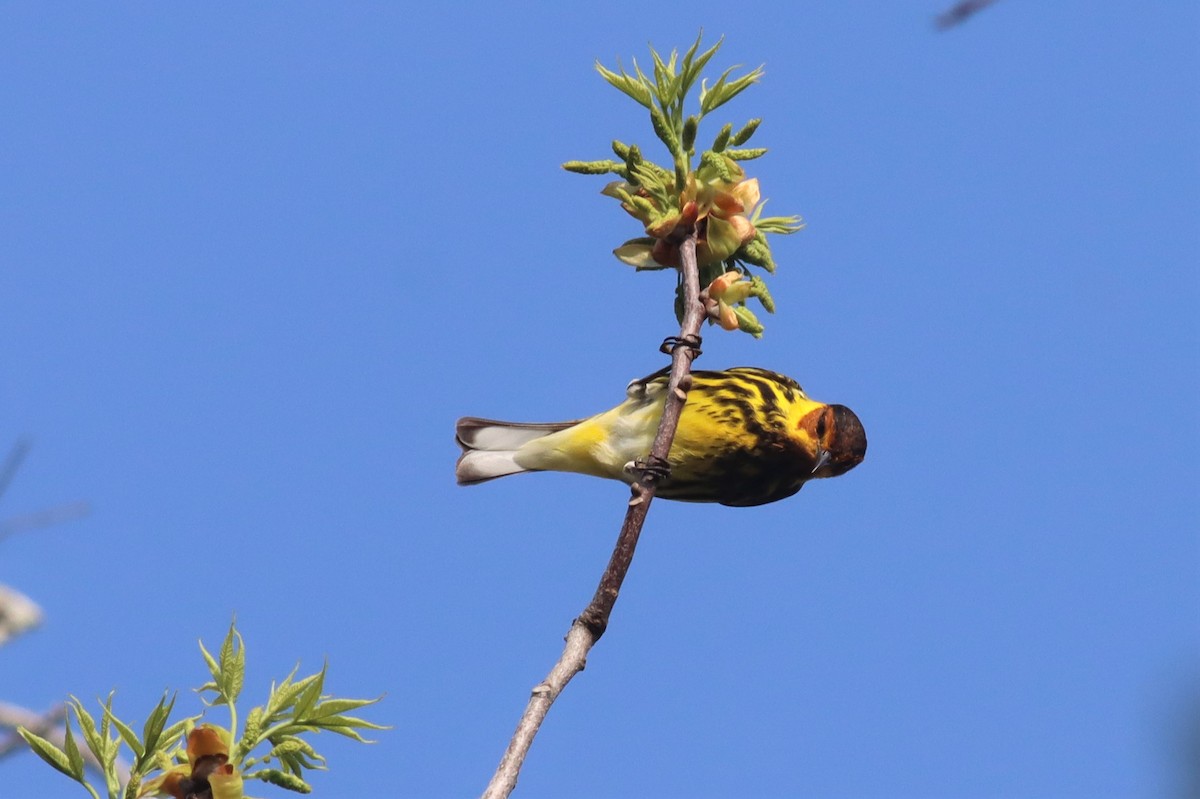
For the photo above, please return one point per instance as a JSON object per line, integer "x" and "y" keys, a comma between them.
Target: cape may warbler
{"x": 746, "y": 436}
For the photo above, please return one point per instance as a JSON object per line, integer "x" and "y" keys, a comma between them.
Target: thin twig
{"x": 960, "y": 12}
{"x": 591, "y": 624}
{"x": 42, "y": 519}
{"x": 43, "y": 724}
{"x": 39, "y": 519}
{"x": 13, "y": 462}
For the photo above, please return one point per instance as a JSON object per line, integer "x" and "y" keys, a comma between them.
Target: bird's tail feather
{"x": 489, "y": 446}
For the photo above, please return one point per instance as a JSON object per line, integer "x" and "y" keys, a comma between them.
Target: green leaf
{"x": 778, "y": 224}
{"x": 644, "y": 81}
{"x": 74, "y": 758}
{"x": 334, "y": 723}
{"x": 335, "y": 707}
{"x": 726, "y": 90}
{"x": 87, "y": 725}
{"x": 708, "y": 97}
{"x": 213, "y": 667}
{"x": 288, "y": 693}
{"x": 747, "y": 321}
{"x": 112, "y": 783}
{"x": 664, "y": 78}
{"x": 104, "y": 716}
{"x": 627, "y": 84}
{"x": 654, "y": 180}
{"x": 654, "y": 177}
{"x": 330, "y": 722}
{"x": 308, "y": 697}
{"x": 349, "y": 732}
{"x": 275, "y": 696}
{"x": 161, "y": 757}
{"x": 296, "y": 755}
{"x": 291, "y": 765}
{"x": 693, "y": 67}
{"x": 127, "y": 734}
{"x": 47, "y": 752}
{"x": 618, "y": 190}
{"x": 152, "y": 729}
{"x": 233, "y": 664}
{"x": 644, "y": 206}
{"x": 633, "y": 157}
{"x": 176, "y": 731}
{"x": 637, "y": 253}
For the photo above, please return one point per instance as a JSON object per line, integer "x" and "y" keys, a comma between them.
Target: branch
{"x": 13, "y": 462}
{"x": 18, "y": 614}
{"x": 591, "y": 624}
{"x": 43, "y": 724}
{"x": 960, "y": 12}
{"x": 48, "y": 725}
{"x": 44, "y": 518}
{"x": 33, "y": 521}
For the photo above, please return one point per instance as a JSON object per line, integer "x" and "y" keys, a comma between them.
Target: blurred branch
{"x": 591, "y": 624}
{"x": 13, "y": 462}
{"x": 48, "y": 725}
{"x": 43, "y": 724}
{"x": 39, "y": 519}
{"x": 18, "y": 614}
{"x": 960, "y": 13}
{"x": 44, "y": 518}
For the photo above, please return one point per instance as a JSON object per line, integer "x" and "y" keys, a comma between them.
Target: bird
{"x": 746, "y": 436}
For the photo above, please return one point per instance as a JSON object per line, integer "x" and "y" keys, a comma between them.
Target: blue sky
{"x": 256, "y": 260}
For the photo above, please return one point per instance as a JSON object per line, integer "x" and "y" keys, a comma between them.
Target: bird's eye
{"x": 821, "y": 426}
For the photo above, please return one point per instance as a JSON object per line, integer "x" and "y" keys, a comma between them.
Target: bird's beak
{"x": 822, "y": 459}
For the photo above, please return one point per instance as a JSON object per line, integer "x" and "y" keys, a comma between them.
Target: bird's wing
{"x": 767, "y": 374}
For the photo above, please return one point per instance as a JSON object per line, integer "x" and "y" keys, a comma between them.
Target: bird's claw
{"x": 650, "y": 466}
{"x": 691, "y": 342}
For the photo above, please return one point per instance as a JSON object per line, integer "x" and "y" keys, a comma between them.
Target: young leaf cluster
{"x": 707, "y": 192}
{"x": 104, "y": 740}
{"x": 272, "y": 746}
{"x": 294, "y": 708}
{"x": 665, "y": 96}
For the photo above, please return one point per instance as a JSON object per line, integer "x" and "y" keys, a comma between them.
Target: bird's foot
{"x": 691, "y": 342}
{"x": 650, "y": 466}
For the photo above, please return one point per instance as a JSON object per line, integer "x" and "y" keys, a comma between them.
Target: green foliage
{"x": 665, "y": 97}
{"x": 709, "y": 195}
{"x": 294, "y": 708}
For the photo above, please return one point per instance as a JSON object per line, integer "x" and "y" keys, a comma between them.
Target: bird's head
{"x": 841, "y": 441}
